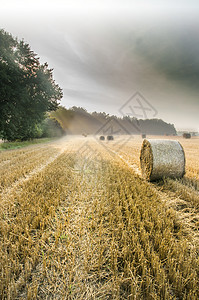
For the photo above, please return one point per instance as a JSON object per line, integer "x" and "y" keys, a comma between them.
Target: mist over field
{"x": 103, "y": 52}
{"x": 99, "y": 139}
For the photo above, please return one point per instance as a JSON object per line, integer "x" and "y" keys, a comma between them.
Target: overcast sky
{"x": 102, "y": 52}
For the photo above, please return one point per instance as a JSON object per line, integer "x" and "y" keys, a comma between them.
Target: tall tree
{"x": 27, "y": 89}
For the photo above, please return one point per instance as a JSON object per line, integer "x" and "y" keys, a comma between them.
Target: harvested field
{"x": 77, "y": 221}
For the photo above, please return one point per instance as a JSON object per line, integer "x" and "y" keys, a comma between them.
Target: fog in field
{"x": 102, "y": 52}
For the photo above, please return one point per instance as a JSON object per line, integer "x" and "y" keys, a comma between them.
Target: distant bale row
{"x": 162, "y": 158}
{"x": 109, "y": 138}
{"x": 187, "y": 135}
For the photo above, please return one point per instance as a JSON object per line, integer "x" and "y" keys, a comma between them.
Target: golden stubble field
{"x": 77, "y": 221}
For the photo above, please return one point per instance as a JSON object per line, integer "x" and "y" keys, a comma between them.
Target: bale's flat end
{"x": 146, "y": 160}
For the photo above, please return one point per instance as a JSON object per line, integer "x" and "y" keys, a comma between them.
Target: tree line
{"x": 27, "y": 91}
{"x": 78, "y": 120}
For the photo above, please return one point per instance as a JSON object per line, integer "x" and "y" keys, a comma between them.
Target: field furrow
{"x": 87, "y": 226}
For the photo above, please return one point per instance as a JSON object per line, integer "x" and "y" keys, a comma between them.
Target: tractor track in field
{"x": 15, "y": 187}
{"x": 185, "y": 212}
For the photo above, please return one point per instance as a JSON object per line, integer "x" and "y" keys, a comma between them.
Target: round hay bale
{"x": 162, "y": 158}
{"x": 187, "y": 135}
{"x": 110, "y": 138}
{"x": 102, "y": 138}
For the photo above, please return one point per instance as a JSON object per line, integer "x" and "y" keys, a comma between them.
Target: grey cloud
{"x": 173, "y": 53}
{"x": 102, "y": 62}
{"x": 87, "y": 95}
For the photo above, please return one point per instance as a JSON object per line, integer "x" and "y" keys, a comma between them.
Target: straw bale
{"x": 162, "y": 158}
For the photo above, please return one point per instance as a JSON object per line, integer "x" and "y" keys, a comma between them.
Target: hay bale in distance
{"x": 102, "y": 138}
{"x": 187, "y": 135}
{"x": 144, "y": 136}
{"x": 162, "y": 158}
{"x": 110, "y": 138}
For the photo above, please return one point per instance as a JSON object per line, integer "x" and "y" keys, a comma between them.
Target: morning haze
{"x": 103, "y": 52}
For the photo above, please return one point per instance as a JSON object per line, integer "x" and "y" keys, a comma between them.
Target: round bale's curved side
{"x": 162, "y": 158}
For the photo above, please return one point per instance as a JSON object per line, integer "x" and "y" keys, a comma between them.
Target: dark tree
{"x": 27, "y": 89}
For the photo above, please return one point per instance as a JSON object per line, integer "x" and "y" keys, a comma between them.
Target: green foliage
{"x": 51, "y": 128}
{"x": 77, "y": 120}
{"x": 27, "y": 90}
{"x": 63, "y": 116}
{"x": 19, "y": 144}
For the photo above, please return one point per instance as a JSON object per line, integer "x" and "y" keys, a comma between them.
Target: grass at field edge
{"x": 15, "y": 145}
